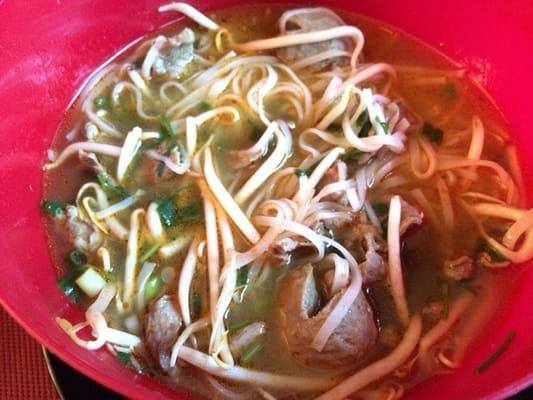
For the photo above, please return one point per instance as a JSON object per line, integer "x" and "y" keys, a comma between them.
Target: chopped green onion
{"x": 251, "y": 351}
{"x": 196, "y": 305}
{"x": 152, "y": 288}
{"x": 124, "y": 358}
{"x": 109, "y": 186}
{"x": 432, "y": 133}
{"x": 52, "y": 207}
{"x": 497, "y": 353}
{"x": 300, "y": 172}
{"x": 445, "y": 294}
{"x": 352, "y": 155}
{"x": 204, "y": 106}
{"x": 363, "y": 121}
{"x": 101, "y": 102}
{"x": 165, "y": 127}
{"x": 242, "y": 276}
{"x": 191, "y": 211}
{"x": 380, "y": 208}
{"x": 66, "y": 284}
{"x": 384, "y": 125}
{"x": 77, "y": 258}
{"x": 91, "y": 282}
{"x": 238, "y": 325}
{"x": 150, "y": 251}
{"x": 167, "y": 211}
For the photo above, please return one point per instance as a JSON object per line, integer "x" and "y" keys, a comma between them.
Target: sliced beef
{"x": 162, "y": 324}
{"x": 309, "y": 22}
{"x": 410, "y": 216}
{"x": 244, "y": 337}
{"x": 300, "y": 316}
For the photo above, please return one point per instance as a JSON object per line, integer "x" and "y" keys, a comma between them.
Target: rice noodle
{"x": 192, "y": 13}
{"x": 100, "y": 148}
{"x": 395, "y": 262}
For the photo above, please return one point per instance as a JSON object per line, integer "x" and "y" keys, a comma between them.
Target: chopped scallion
{"x": 204, "y": 106}
{"x": 242, "y": 276}
{"x": 101, "y": 102}
{"x": 167, "y": 211}
{"x": 152, "y": 287}
{"x": 300, "y": 172}
{"x": 196, "y": 305}
{"x": 109, "y": 186}
{"x": 165, "y": 127}
{"x": 238, "y": 325}
{"x": 380, "y": 208}
{"x": 52, "y": 207}
{"x": 66, "y": 284}
{"x": 363, "y": 122}
{"x": 497, "y": 353}
{"x": 352, "y": 155}
{"x": 251, "y": 351}
{"x": 124, "y": 358}
{"x": 77, "y": 258}
{"x": 384, "y": 125}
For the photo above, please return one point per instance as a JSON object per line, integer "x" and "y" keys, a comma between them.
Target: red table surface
{"x": 23, "y": 371}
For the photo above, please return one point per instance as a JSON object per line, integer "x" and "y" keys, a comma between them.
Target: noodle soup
{"x": 309, "y": 204}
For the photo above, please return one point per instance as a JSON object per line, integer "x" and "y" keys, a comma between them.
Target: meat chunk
{"x": 174, "y": 54}
{"x": 244, "y": 337}
{"x": 82, "y": 235}
{"x": 299, "y": 319}
{"x": 460, "y": 268}
{"x": 410, "y": 216}
{"x": 161, "y": 329}
{"x": 309, "y": 22}
{"x": 365, "y": 243}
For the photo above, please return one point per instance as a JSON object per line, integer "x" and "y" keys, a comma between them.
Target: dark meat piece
{"x": 241, "y": 339}
{"x": 458, "y": 269}
{"x": 410, "y": 216}
{"x": 299, "y": 319}
{"x": 310, "y": 22}
{"x": 161, "y": 329}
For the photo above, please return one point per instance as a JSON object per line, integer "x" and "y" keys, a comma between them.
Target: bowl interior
{"x": 49, "y": 48}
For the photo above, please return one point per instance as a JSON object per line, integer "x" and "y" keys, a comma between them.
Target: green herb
{"x": 123, "y": 357}
{"x": 449, "y": 90}
{"x": 150, "y": 251}
{"x": 309, "y": 171}
{"x": 238, "y": 325}
{"x": 381, "y": 208}
{"x": 203, "y": 136}
{"x": 204, "y": 106}
{"x": 432, "y": 133}
{"x": 109, "y": 186}
{"x": 52, "y": 207}
{"x": 167, "y": 211}
{"x": 152, "y": 287}
{"x": 445, "y": 295}
{"x": 196, "y": 305}
{"x": 352, "y": 155}
{"x": 363, "y": 122}
{"x": 101, "y": 102}
{"x": 191, "y": 211}
{"x": 242, "y": 276}
{"x": 300, "y": 172}
{"x": 77, "y": 258}
{"x": 384, "y": 125}
{"x": 66, "y": 284}
{"x": 165, "y": 127}
{"x": 497, "y": 353}
{"x": 251, "y": 351}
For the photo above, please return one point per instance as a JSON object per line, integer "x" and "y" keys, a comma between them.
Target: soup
{"x": 305, "y": 205}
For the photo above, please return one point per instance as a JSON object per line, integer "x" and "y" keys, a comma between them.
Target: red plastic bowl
{"x": 48, "y": 48}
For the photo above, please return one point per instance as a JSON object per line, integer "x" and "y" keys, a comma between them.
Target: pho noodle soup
{"x": 308, "y": 204}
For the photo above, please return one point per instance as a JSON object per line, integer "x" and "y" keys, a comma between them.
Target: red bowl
{"x": 48, "y": 48}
